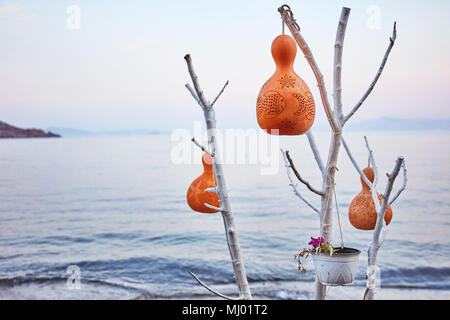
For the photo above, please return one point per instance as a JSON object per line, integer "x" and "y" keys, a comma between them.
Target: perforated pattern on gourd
{"x": 286, "y": 124}
{"x": 362, "y": 213}
{"x": 363, "y": 202}
{"x": 306, "y": 105}
{"x": 270, "y": 105}
{"x": 287, "y": 82}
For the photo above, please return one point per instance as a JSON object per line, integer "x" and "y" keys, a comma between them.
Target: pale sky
{"x": 124, "y": 67}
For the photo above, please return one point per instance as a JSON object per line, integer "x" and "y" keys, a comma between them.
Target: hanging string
{"x": 282, "y": 25}
{"x": 339, "y": 219}
{"x": 287, "y": 14}
{"x": 336, "y": 204}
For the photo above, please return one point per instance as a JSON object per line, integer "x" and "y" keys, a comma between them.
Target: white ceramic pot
{"x": 339, "y": 269}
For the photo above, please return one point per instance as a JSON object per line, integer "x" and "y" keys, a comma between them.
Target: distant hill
{"x": 398, "y": 124}
{"x": 380, "y": 124}
{"x": 77, "y": 132}
{"x": 69, "y": 131}
{"x": 391, "y": 124}
{"x": 9, "y": 131}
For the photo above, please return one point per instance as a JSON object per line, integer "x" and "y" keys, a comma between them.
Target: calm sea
{"x": 115, "y": 207}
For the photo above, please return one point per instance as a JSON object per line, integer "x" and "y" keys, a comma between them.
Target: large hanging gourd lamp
{"x": 196, "y": 194}
{"x": 285, "y": 105}
{"x": 361, "y": 212}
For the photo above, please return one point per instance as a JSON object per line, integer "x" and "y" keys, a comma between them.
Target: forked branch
{"x": 221, "y": 91}
{"x": 403, "y": 187}
{"x": 294, "y": 187}
{"x": 385, "y": 203}
{"x": 201, "y": 147}
{"x": 199, "y": 96}
{"x": 194, "y": 95}
{"x": 297, "y": 174}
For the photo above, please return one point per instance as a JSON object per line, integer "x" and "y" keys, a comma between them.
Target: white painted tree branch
{"x": 337, "y": 75}
{"x": 377, "y": 76}
{"x": 220, "y": 93}
{"x": 405, "y": 180}
{"x": 212, "y": 207}
{"x": 327, "y": 200}
{"x": 355, "y": 164}
{"x": 294, "y": 187}
{"x": 297, "y": 174}
{"x": 225, "y": 206}
{"x": 385, "y": 197}
{"x": 200, "y": 146}
{"x": 315, "y": 151}
{"x": 194, "y": 95}
{"x": 212, "y": 290}
{"x": 213, "y": 190}
{"x": 199, "y": 93}
{"x": 326, "y": 226}
{"x": 373, "y": 188}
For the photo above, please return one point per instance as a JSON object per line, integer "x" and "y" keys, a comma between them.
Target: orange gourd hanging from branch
{"x": 285, "y": 102}
{"x": 196, "y": 194}
{"x": 361, "y": 212}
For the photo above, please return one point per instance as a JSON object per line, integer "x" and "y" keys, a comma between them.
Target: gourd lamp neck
{"x": 370, "y": 175}
{"x": 284, "y": 51}
{"x": 207, "y": 163}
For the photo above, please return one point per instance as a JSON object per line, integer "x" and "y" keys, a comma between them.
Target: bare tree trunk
{"x": 377, "y": 241}
{"x": 228, "y": 219}
{"x": 334, "y": 118}
{"x": 221, "y": 189}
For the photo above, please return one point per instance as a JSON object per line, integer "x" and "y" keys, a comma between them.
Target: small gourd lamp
{"x": 196, "y": 194}
{"x": 285, "y": 102}
{"x": 361, "y": 212}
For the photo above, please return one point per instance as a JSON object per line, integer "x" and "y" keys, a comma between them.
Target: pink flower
{"x": 316, "y": 242}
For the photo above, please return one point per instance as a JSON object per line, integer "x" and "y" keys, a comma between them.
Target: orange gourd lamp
{"x": 285, "y": 102}
{"x": 196, "y": 194}
{"x": 361, "y": 212}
